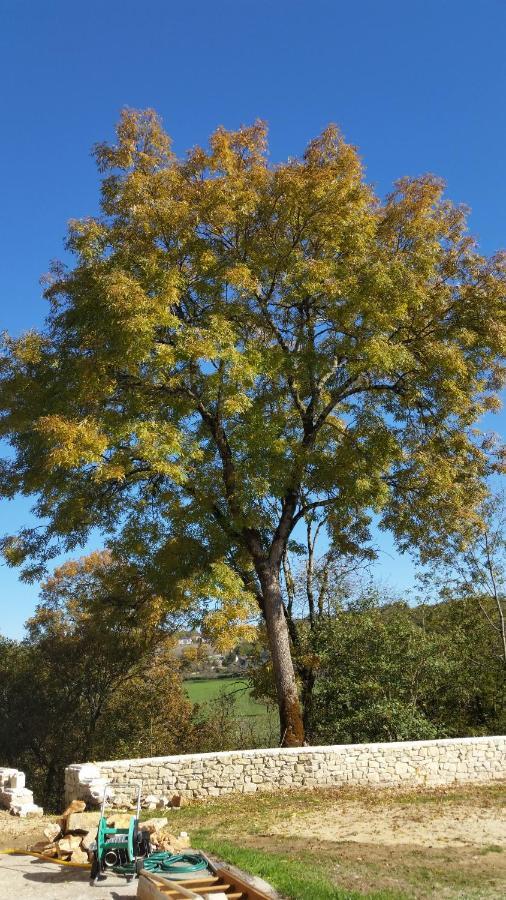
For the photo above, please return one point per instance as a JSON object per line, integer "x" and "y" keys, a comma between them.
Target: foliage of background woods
{"x": 240, "y": 347}
{"x": 96, "y": 677}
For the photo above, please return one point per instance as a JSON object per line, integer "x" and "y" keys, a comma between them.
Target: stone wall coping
{"x": 297, "y": 751}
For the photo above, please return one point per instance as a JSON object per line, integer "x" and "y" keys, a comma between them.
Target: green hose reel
{"x": 117, "y": 848}
{"x": 125, "y": 851}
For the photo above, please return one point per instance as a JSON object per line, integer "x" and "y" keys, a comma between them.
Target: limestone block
{"x": 26, "y": 809}
{"x": 79, "y": 856}
{"x": 88, "y": 841}
{"x": 47, "y": 848}
{"x": 52, "y": 831}
{"x": 17, "y": 780}
{"x": 153, "y": 825}
{"x": 68, "y": 844}
{"x": 15, "y": 795}
{"x": 80, "y": 823}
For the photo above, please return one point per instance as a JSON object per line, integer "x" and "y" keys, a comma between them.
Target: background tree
{"x": 239, "y": 345}
{"x": 92, "y": 679}
{"x": 391, "y": 672}
{"x": 317, "y": 586}
{"x": 475, "y": 569}
{"x": 382, "y": 670}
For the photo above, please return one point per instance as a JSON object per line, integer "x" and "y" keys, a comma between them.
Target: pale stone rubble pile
{"x": 70, "y": 837}
{"x": 398, "y": 764}
{"x": 15, "y": 796}
{"x": 73, "y": 836}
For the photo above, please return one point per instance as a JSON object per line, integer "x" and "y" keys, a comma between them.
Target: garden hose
{"x": 158, "y": 862}
{"x": 11, "y": 851}
{"x": 163, "y": 862}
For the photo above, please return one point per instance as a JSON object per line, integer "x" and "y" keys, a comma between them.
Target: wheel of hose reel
{"x": 141, "y": 842}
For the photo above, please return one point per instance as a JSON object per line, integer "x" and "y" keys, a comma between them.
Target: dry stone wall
{"x": 398, "y": 764}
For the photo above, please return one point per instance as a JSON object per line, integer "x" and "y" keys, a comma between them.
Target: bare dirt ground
{"x": 18, "y": 834}
{"x": 435, "y": 824}
{"x": 426, "y": 843}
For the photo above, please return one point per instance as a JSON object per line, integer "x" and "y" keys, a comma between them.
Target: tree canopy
{"x": 241, "y": 345}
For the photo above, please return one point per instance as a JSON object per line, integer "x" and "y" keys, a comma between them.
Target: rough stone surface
{"x": 52, "y": 831}
{"x": 94, "y": 785}
{"x": 79, "y": 822}
{"x": 397, "y": 764}
{"x": 76, "y": 806}
{"x": 26, "y": 809}
{"x": 80, "y": 856}
{"x": 69, "y": 843}
{"x": 48, "y": 848}
{"x": 14, "y": 796}
{"x": 153, "y": 825}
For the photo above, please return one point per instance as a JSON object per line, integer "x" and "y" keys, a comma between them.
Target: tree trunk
{"x": 292, "y": 728}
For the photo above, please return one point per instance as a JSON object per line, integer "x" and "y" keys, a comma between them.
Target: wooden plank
{"x": 157, "y": 887}
{"x": 151, "y": 886}
{"x": 252, "y": 893}
{"x": 219, "y": 888}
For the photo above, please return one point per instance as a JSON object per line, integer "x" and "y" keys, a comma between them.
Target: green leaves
{"x": 393, "y": 672}
{"x": 238, "y": 341}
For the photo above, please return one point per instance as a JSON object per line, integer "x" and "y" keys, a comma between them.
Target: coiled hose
{"x": 171, "y": 864}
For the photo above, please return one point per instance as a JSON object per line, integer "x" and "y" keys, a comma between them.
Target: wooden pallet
{"x": 221, "y": 883}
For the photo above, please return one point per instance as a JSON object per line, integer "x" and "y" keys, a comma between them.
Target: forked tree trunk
{"x": 292, "y": 728}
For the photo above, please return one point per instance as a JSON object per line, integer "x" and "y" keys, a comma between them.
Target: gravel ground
{"x": 24, "y": 877}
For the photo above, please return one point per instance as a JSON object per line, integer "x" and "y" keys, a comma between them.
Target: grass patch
{"x": 296, "y": 879}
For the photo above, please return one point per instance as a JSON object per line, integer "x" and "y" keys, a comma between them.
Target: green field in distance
{"x": 207, "y": 689}
{"x": 261, "y": 719}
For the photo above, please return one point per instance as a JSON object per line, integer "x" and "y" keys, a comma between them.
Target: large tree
{"x": 240, "y": 345}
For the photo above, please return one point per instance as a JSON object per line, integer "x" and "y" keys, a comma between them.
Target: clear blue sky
{"x": 418, "y": 86}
